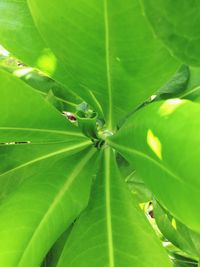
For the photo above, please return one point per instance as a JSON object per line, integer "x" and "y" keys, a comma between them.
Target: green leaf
{"x": 88, "y": 124}
{"x": 177, "y": 24}
{"x": 192, "y": 91}
{"x": 19, "y": 35}
{"x": 134, "y": 182}
{"x": 162, "y": 142}
{"x": 53, "y": 256}
{"x": 176, "y": 232}
{"x": 181, "y": 261}
{"x": 124, "y": 167}
{"x": 32, "y": 118}
{"x": 50, "y": 97}
{"x": 44, "y": 183}
{"x": 112, "y": 231}
{"x": 42, "y": 206}
{"x": 43, "y": 84}
{"x": 176, "y": 84}
{"x": 138, "y": 188}
{"x": 107, "y": 49}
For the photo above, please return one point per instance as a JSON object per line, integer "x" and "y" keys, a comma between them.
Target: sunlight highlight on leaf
{"x": 47, "y": 62}
{"x": 22, "y": 72}
{"x": 174, "y": 224}
{"x": 169, "y": 106}
{"x": 154, "y": 143}
{"x": 3, "y": 52}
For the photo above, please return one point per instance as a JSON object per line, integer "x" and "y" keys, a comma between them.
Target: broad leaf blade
{"x": 53, "y": 255}
{"x": 26, "y": 116}
{"x": 51, "y": 196}
{"x": 138, "y": 188}
{"x": 19, "y": 36}
{"x": 163, "y": 143}
{"x": 177, "y": 24}
{"x": 108, "y": 49}
{"x": 43, "y": 84}
{"x": 176, "y": 232}
{"x": 112, "y": 231}
{"x": 44, "y": 183}
{"x": 18, "y": 33}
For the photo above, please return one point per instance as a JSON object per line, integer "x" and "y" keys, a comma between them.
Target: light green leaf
{"x": 32, "y": 118}
{"x": 88, "y": 124}
{"x": 40, "y": 131}
{"x": 134, "y": 182}
{"x": 138, "y": 188}
{"x": 44, "y": 183}
{"x": 19, "y": 35}
{"x": 112, "y": 231}
{"x": 177, "y": 24}
{"x": 52, "y": 194}
{"x": 108, "y": 51}
{"x": 162, "y": 142}
{"x": 43, "y": 84}
{"x": 176, "y": 232}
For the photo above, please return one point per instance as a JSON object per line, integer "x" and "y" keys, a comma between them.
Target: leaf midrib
{"x": 57, "y": 200}
{"x": 141, "y": 154}
{"x": 42, "y": 130}
{"x": 52, "y": 154}
{"x": 108, "y": 71}
{"x": 147, "y": 157}
{"x": 108, "y": 209}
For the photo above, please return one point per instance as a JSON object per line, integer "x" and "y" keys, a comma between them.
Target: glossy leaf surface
{"x": 112, "y": 231}
{"x": 33, "y": 119}
{"x": 51, "y": 195}
{"x": 138, "y": 188}
{"x": 108, "y": 51}
{"x": 44, "y": 183}
{"x": 17, "y": 25}
{"x": 177, "y": 24}
{"x": 19, "y": 35}
{"x": 46, "y": 86}
{"x": 163, "y": 143}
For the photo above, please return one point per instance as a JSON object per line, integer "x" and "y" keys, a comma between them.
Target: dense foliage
{"x": 99, "y": 133}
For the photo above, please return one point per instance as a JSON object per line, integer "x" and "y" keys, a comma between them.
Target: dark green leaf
{"x": 192, "y": 91}
{"x": 177, "y": 24}
{"x": 53, "y": 256}
{"x": 176, "y": 85}
{"x": 176, "y": 232}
